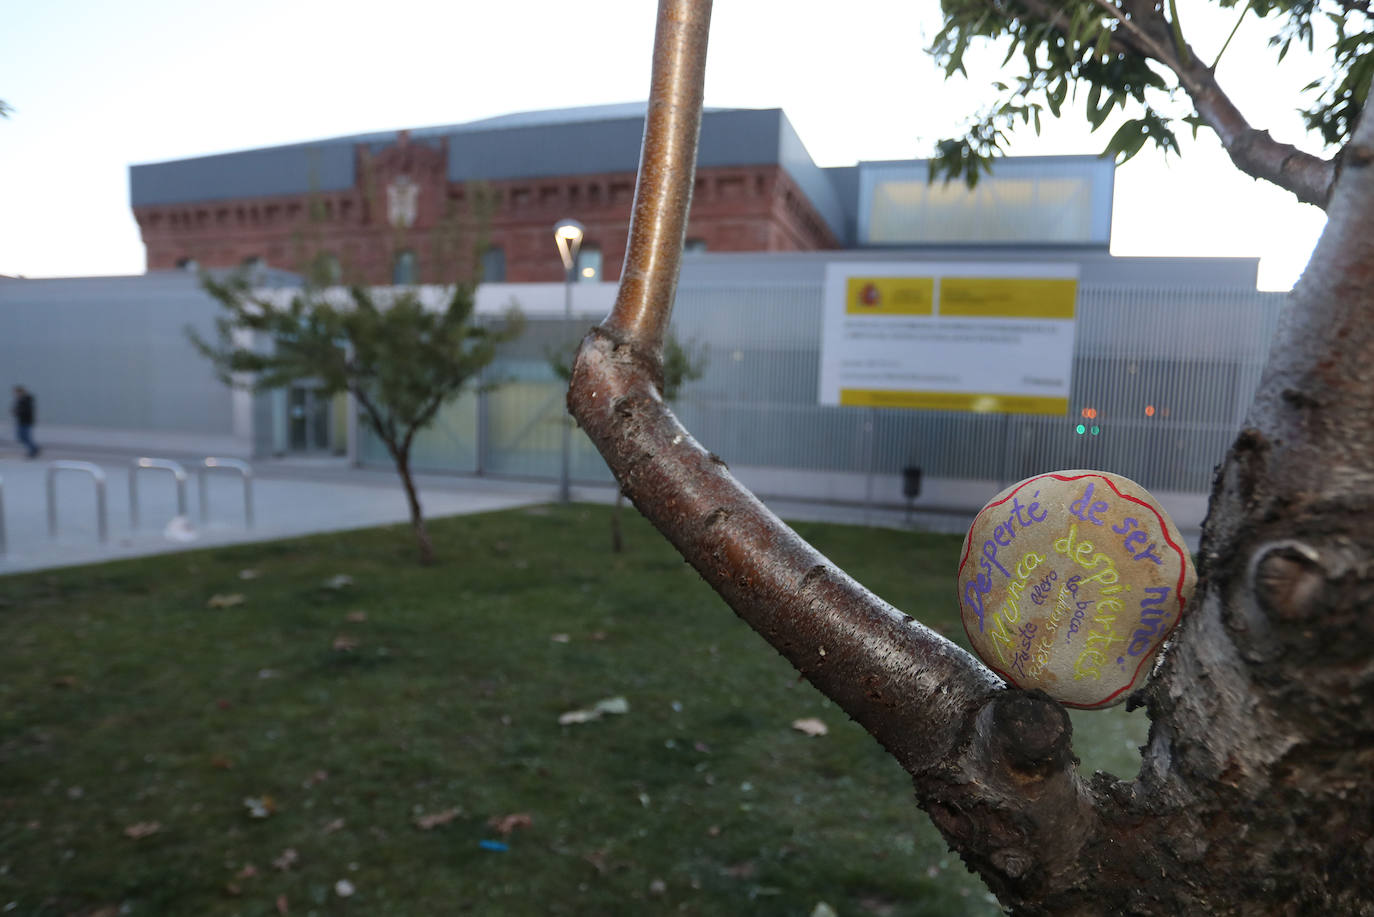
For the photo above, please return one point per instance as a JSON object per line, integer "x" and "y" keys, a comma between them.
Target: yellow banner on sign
{"x": 890, "y": 296}
{"x": 954, "y": 401}
{"x": 1007, "y": 297}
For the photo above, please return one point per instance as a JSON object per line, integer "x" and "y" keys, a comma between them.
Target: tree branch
{"x": 1253, "y": 151}
{"x": 658, "y": 223}
{"x": 993, "y": 766}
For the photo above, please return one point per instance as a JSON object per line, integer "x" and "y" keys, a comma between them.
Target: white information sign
{"x": 990, "y": 338}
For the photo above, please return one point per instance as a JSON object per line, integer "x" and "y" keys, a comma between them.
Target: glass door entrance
{"x": 308, "y": 420}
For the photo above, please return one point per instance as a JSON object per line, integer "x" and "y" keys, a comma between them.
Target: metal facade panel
{"x": 296, "y": 169}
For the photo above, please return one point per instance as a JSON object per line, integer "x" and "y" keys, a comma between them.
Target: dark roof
{"x": 576, "y": 141}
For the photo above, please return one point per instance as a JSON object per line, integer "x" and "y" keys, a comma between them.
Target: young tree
{"x": 682, "y": 363}
{"x": 399, "y": 359}
{"x": 1135, "y": 55}
{"x": 1254, "y": 795}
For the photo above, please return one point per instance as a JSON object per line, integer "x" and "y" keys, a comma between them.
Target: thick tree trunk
{"x": 1255, "y": 795}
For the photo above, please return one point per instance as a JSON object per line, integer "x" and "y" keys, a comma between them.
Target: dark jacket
{"x": 23, "y": 410}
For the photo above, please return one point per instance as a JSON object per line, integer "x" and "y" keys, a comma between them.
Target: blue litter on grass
{"x": 493, "y": 845}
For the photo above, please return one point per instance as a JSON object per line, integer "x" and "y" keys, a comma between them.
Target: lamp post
{"x": 568, "y": 234}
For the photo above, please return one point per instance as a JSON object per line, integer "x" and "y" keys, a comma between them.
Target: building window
{"x": 694, "y": 246}
{"x": 404, "y": 269}
{"x": 589, "y": 264}
{"x": 494, "y": 265}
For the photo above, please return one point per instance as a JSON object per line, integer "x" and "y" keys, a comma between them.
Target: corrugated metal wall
{"x": 1192, "y": 357}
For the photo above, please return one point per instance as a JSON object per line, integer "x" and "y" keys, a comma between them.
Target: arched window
{"x": 404, "y": 269}
{"x": 589, "y": 264}
{"x": 494, "y": 265}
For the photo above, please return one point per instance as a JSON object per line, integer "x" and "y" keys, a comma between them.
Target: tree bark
{"x": 417, "y": 518}
{"x": 1254, "y": 795}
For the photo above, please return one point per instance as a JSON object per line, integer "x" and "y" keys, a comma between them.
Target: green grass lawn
{"x": 128, "y": 706}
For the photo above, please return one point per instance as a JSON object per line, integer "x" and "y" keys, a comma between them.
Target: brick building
{"x": 407, "y": 206}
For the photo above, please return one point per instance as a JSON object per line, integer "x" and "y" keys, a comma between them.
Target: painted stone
{"x": 1070, "y": 581}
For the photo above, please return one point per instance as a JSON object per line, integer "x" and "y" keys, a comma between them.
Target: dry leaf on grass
{"x": 259, "y": 806}
{"x": 615, "y": 705}
{"x": 247, "y": 872}
{"x": 289, "y": 857}
{"x": 249, "y": 573}
{"x": 343, "y": 643}
{"x": 338, "y": 581}
{"x": 226, "y": 600}
{"x": 357, "y": 617}
{"x": 561, "y": 638}
{"x": 320, "y": 776}
{"x": 435, "y": 819}
{"x": 142, "y": 829}
{"x": 811, "y": 726}
{"x": 282, "y": 906}
{"x": 505, "y": 824}
{"x": 336, "y": 825}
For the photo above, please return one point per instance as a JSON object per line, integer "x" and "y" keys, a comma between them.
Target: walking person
{"x": 24, "y": 418}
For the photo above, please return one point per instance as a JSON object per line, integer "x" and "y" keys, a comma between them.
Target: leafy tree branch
{"x": 1134, "y": 56}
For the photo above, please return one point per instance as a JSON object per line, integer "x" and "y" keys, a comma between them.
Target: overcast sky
{"x": 98, "y": 86}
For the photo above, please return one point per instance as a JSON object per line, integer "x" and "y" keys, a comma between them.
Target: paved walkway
{"x": 293, "y": 496}
{"x": 289, "y": 498}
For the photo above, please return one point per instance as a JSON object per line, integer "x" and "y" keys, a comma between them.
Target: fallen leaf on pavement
{"x": 226, "y": 600}
{"x": 811, "y": 726}
{"x": 142, "y": 829}
{"x": 505, "y": 824}
{"x": 434, "y": 820}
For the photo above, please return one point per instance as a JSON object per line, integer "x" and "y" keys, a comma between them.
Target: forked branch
{"x": 993, "y": 765}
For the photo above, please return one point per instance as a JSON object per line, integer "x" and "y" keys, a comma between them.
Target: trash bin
{"x": 911, "y": 482}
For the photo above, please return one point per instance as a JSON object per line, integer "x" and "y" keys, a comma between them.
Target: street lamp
{"x": 568, "y": 234}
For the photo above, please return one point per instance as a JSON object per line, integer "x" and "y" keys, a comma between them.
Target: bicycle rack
{"x": 244, "y": 469}
{"x": 97, "y": 474}
{"x": 156, "y": 464}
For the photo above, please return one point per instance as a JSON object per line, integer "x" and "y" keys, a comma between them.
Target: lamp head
{"x": 568, "y": 234}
